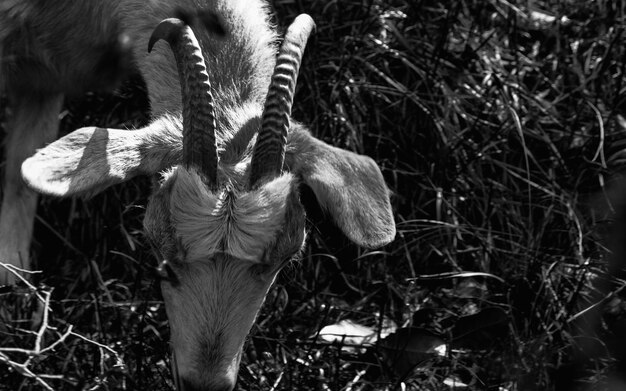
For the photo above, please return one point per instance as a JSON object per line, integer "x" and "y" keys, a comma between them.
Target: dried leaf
{"x": 349, "y": 333}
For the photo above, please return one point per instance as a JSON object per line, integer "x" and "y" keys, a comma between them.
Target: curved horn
{"x": 199, "y": 148}
{"x": 269, "y": 151}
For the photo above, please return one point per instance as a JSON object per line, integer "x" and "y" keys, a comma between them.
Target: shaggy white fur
{"x": 240, "y": 224}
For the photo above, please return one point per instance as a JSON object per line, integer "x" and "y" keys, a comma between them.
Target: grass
{"x": 496, "y": 125}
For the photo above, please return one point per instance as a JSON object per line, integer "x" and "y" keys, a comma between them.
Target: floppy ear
{"x": 89, "y": 160}
{"x": 348, "y": 186}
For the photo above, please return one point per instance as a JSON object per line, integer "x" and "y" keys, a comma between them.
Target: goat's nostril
{"x": 216, "y": 385}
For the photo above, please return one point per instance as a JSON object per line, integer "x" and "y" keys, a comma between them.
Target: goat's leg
{"x": 32, "y": 123}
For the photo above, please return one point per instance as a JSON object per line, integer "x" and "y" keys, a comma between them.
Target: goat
{"x": 225, "y": 216}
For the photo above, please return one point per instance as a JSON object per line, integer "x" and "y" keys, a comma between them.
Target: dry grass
{"x": 496, "y": 127}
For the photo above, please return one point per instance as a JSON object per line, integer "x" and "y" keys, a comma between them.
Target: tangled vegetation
{"x": 497, "y": 127}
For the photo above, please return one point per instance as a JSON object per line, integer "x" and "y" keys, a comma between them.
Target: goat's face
{"x": 221, "y": 252}
{"x": 223, "y": 239}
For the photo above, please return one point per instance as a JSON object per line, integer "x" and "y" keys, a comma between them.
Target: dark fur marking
{"x": 209, "y": 19}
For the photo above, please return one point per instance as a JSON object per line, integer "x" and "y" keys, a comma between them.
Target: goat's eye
{"x": 166, "y": 273}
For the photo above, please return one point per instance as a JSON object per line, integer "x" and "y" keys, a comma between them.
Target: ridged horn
{"x": 199, "y": 148}
{"x": 269, "y": 151}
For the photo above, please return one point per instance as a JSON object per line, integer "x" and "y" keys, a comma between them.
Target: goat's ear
{"x": 348, "y": 186}
{"x": 89, "y": 160}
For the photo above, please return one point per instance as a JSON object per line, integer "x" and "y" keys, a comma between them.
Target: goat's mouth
{"x": 219, "y": 381}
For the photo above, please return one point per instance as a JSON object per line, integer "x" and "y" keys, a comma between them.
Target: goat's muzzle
{"x": 186, "y": 380}
{"x": 221, "y": 385}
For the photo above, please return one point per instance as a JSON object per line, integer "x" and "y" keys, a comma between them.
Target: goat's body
{"x": 69, "y": 47}
{"x": 33, "y": 121}
{"x": 52, "y": 49}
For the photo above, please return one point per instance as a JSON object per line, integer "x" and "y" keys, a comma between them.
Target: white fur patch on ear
{"x": 89, "y": 160}
{"x": 82, "y": 160}
{"x": 242, "y": 224}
